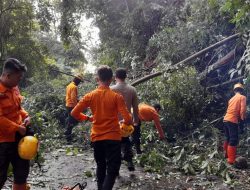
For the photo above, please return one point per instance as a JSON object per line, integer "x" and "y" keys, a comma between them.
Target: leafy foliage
{"x": 238, "y": 10}
{"x": 16, "y": 28}
{"x": 143, "y": 36}
{"x": 193, "y": 155}
{"x": 181, "y": 96}
{"x": 45, "y": 102}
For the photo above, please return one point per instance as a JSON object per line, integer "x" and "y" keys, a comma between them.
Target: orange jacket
{"x": 148, "y": 113}
{"x": 11, "y": 113}
{"x": 71, "y": 95}
{"x": 236, "y": 108}
{"x": 105, "y": 106}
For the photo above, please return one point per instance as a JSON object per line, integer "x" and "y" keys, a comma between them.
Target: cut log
{"x": 218, "y": 64}
{"x": 181, "y": 63}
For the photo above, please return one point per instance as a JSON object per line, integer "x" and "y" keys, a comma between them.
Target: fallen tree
{"x": 218, "y": 64}
{"x": 181, "y": 63}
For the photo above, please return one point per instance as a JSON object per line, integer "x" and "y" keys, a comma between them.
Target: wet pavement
{"x": 70, "y": 165}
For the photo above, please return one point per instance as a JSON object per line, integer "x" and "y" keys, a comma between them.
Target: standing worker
{"x": 71, "y": 101}
{"x": 130, "y": 96}
{"x": 147, "y": 113}
{"x": 105, "y": 106}
{"x": 13, "y": 119}
{"x": 236, "y": 114}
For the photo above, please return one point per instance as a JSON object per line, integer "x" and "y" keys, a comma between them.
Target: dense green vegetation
{"x": 144, "y": 36}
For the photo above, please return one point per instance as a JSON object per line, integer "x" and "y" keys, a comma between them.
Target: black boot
{"x": 108, "y": 182}
{"x": 131, "y": 166}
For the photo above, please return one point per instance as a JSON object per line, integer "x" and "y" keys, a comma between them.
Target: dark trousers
{"x": 136, "y": 136}
{"x": 9, "y": 154}
{"x": 107, "y": 154}
{"x": 231, "y": 133}
{"x": 126, "y": 147}
{"x": 70, "y": 123}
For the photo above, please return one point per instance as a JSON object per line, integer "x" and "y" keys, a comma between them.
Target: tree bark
{"x": 181, "y": 63}
{"x": 146, "y": 78}
{"x": 220, "y": 63}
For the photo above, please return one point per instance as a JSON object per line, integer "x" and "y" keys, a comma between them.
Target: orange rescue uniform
{"x": 105, "y": 105}
{"x": 11, "y": 113}
{"x": 236, "y": 109}
{"x": 148, "y": 113}
{"x": 71, "y": 95}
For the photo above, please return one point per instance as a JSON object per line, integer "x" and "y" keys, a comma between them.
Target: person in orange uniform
{"x": 71, "y": 101}
{"x": 13, "y": 119}
{"x": 105, "y": 105}
{"x": 236, "y": 112}
{"x": 147, "y": 113}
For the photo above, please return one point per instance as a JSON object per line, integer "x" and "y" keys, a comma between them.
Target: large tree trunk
{"x": 146, "y": 78}
{"x": 220, "y": 63}
{"x": 181, "y": 63}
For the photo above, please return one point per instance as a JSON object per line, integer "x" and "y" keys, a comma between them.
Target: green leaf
{"x": 226, "y": 7}
{"x": 180, "y": 154}
{"x": 213, "y": 154}
{"x": 238, "y": 17}
{"x": 204, "y": 164}
{"x": 88, "y": 174}
{"x": 69, "y": 152}
{"x": 75, "y": 151}
{"x": 228, "y": 179}
{"x": 10, "y": 170}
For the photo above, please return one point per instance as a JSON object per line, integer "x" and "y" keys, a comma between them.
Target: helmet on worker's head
{"x": 126, "y": 130}
{"x": 79, "y": 76}
{"x": 28, "y": 147}
{"x": 239, "y": 86}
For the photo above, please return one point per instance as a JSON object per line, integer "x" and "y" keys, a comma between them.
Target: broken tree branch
{"x": 228, "y": 82}
{"x": 143, "y": 79}
{"x": 181, "y": 63}
{"x": 68, "y": 74}
{"x": 63, "y": 72}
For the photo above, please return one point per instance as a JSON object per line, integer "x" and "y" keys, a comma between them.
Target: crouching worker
{"x": 147, "y": 113}
{"x": 236, "y": 112}
{"x": 105, "y": 132}
{"x": 13, "y": 119}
